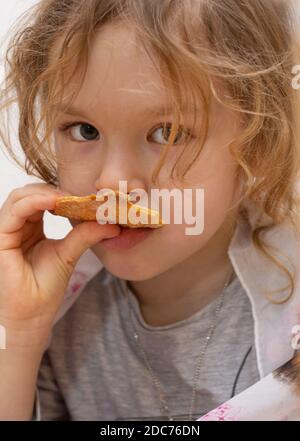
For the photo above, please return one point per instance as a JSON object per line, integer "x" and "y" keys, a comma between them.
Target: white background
{"x": 11, "y": 176}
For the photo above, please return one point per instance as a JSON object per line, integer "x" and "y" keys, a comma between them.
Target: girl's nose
{"x": 121, "y": 165}
{"x": 122, "y": 181}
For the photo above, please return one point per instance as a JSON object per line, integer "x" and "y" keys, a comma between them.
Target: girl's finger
{"x": 29, "y": 230}
{"x": 35, "y": 218}
{"x": 13, "y": 217}
{"x": 31, "y": 240}
{"x": 82, "y": 237}
{"x": 30, "y": 189}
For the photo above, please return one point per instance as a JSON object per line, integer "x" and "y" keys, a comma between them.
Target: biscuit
{"x": 84, "y": 208}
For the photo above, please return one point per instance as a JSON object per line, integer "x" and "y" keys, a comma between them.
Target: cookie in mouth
{"x": 84, "y": 208}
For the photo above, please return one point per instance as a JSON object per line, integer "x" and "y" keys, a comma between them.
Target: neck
{"x": 189, "y": 286}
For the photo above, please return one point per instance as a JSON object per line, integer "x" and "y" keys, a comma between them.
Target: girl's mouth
{"x": 128, "y": 238}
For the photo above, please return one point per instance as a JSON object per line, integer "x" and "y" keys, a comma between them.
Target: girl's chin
{"x": 132, "y": 267}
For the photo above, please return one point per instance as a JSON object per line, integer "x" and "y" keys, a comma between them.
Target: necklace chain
{"x": 163, "y": 404}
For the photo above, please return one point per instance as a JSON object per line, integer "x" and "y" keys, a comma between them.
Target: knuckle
{"x": 34, "y": 185}
{"x": 15, "y": 193}
{"x": 41, "y": 186}
{"x": 65, "y": 266}
{"x": 70, "y": 262}
{"x": 12, "y": 211}
{"x": 66, "y": 263}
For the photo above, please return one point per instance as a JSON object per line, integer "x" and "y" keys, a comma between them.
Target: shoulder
{"x": 271, "y": 278}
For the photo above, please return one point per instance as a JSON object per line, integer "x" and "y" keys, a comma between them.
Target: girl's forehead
{"x": 116, "y": 56}
{"x": 118, "y": 63}
{"x": 123, "y": 76}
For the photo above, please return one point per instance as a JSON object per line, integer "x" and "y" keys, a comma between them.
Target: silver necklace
{"x": 163, "y": 404}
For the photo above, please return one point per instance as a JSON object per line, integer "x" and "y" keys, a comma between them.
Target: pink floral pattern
{"x": 78, "y": 279}
{"x": 225, "y": 412}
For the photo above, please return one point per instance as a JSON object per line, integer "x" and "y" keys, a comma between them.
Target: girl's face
{"x": 117, "y": 135}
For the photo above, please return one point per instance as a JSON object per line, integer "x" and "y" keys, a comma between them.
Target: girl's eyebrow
{"x": 167, "y": 110}
{"x": 72, "y": 111}
{"x": 148, "y": 111}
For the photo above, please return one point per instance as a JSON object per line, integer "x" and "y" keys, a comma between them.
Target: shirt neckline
{"x": 139, "y": 319}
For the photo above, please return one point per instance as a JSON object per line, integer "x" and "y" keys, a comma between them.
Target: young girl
{"x": 162, "y": 94}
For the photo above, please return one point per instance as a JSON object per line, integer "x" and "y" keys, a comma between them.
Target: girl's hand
{"x": 35, "y": 271}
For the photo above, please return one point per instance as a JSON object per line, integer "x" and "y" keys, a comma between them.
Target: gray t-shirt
{"x": 95, "y": 370}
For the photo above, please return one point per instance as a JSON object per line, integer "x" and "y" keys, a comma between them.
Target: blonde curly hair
{"x": 249, "y": 47}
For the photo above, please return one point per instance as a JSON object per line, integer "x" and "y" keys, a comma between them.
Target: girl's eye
{"x": 162, "y": 133}
{"x": 81, "y": 132}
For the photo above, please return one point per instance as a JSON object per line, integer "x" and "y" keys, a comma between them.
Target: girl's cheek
{"x": 78, "y": 168}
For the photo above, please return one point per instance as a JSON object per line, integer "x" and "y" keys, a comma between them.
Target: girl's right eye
{"x": 81, "y": 132}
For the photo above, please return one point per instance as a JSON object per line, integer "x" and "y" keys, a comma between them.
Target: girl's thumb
{"x": 80, "y": 238}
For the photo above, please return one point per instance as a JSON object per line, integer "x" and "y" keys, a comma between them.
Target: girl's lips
{"x": 128, "y": 238}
